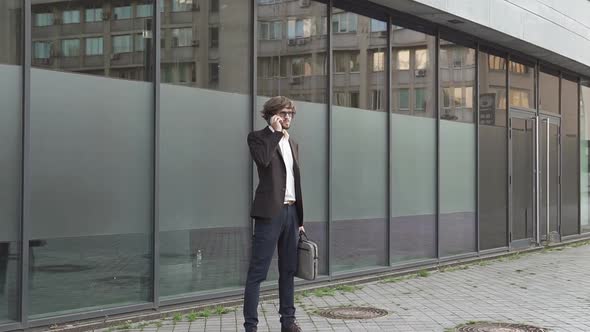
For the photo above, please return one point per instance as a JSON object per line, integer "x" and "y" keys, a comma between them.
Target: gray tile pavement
{"x": 549, "y": 289}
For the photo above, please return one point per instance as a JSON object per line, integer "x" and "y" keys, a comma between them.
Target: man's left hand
{"x": 301, "y": 229}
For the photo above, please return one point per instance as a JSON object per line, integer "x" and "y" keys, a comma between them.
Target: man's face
{"x": 287, "y": 115}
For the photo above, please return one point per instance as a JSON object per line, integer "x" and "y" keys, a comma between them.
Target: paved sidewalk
{"x": 548, "y": 289}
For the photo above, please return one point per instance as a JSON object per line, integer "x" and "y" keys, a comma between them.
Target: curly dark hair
{"x": 274, "y": 105}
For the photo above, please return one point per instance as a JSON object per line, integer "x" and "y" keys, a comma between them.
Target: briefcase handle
{"x": 302, "y": 234}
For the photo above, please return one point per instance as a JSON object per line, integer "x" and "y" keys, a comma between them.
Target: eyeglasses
{"x": 284, "y": 114}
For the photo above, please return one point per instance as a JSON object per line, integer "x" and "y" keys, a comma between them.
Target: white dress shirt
{"x": 288, "y": 159}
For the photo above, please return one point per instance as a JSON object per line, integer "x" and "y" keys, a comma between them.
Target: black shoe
{"x": 253, "y": 329}
{"x": 292, "y": 327}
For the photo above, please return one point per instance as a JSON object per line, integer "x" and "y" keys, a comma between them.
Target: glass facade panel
{"x": 457, "y": 231}
{"x": 205, "y": 119}
{"x": 585, "y": 158}
{"x": 359, "y": 142}
{"x": 413, "y": 148}
{"x": 548, "y": 93}
{"x": 304, "y": 81}
{"x": 569, "y": 167}
{"x": 11, "y": 20}
{"x": 91, "y": 175}
{"x": 493, "y": 166}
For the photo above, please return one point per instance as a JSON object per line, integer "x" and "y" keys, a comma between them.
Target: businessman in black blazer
{"x": 277, "y": 210}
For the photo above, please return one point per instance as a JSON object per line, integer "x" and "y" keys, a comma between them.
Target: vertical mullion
{"x": 476, "y": 103}
{"x": 437, "y": 113}
{"x": 253, "y": 69}
{"x": 579, "y": 154}
{"x": 25, "y": 175}
{"x": 389, "y": 138}
{"x": 330, "y": 130}
{"x": 156, "y": 201}
{"x": 560, "y": 136}
{"x": 537, "y": 152}
{"x": 509, "y": 154}
{"x": 578, "y": 157}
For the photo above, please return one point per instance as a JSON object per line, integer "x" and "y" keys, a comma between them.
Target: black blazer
{"x": 270, "y": 194}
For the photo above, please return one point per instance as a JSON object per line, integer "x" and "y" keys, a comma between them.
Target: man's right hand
{"x": 275, "y": 123}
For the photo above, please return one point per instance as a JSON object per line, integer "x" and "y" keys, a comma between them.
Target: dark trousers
{"x": 280, "y": 232}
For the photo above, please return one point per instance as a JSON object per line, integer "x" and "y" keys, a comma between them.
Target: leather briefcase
{"x": 307, "y": 258}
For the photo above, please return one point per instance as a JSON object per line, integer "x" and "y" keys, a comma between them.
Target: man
{"x": 277, "y": 210}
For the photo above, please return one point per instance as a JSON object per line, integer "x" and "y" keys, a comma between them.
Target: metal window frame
{"x": 437, "y": 133}
{"x": 477, "y": 157}
{"x": 330, "y": 133}
{"x": 388, "y": 86}
{"x": 579, "y": 154}
{"x": 156, "y": 38}
{"x": 26, "y": 170}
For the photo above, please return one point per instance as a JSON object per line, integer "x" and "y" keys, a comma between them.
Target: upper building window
{"x": 270, "y": 30}
{"x": 139, "y": 43}
{"x": 421, "y": 57}
{"x": 299, "y": 28}
{"x": 268, "y": 2}
{"x": 122, "y": 44}
{"x": 344, "y": 22}
{"x": 379, "y": 61}
{"x": 94, "y": 46}
{"x": 519, "y": 68}
{"x": 214, "y": 37}
{"x": 43, "y": 19}
{"x": 346, "y": 61}
{"x": 376, "y": 97}
{"x": 143, "y": 10}
{"x": 214, "y": 6}
{"x": 182, "y": 37}
{"x": 122, "y": 13}
{"x": 71, "y": 16}
{"x": 70, "y": 47}
{"x": 301, "y": 66}
{"x": 181, "y": 5}
{"x": 93, "y": 14}
{"x": 213, "y": 73}
{"x": 420, "y": 99}
{"x": 403, "y": 60}
{"x": 41, "y": 49}
{"x": 377, "y": 25}
{"x": 496, "y": 62}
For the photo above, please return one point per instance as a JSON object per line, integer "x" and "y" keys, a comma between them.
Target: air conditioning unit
{"x": 115, "y": 56}
{"x": 300, "y": 41}
{"x": 292, "y": 42}
{"x": 195, "y": 43}
{"x": 420, "y": 72}
{"x": 304, "y": 3}
{"x": 296, "y": 80}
